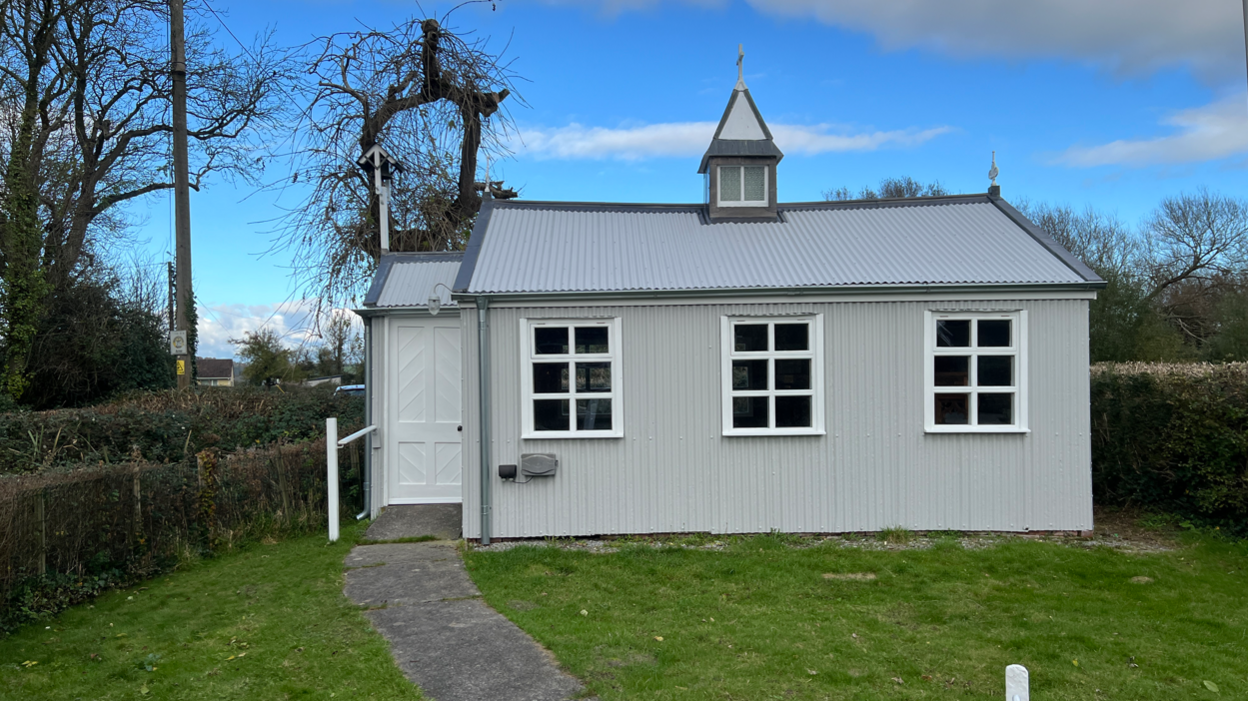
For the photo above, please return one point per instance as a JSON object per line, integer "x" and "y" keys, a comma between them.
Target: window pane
{"x": 792, "y": 374}
{"x": 953, "y": 333}
{"x": 749, "y": 337}
{"x": 792, "y": 411}
{"x": 996, "y": 370}
{"x": 591, "y": 339}
{"x": 952, "y": 409}
{"x": 953, "y": 370}
{"x": 730, "y": 184}
{"x": 593, "y": 377}
{"x": 754, "y": 184}
{"x": 550, "y": 415}
{"x": 792, "y": 337}
{"x": 994, "y": 333}
{"x": 550, "y": 377}
{"x": 749, "y": 374}
{"x": 996, "y": 409}
{"x": 749, "y": 412}
{"x": 550, "y": 341}
{"x": 593, "y": 414}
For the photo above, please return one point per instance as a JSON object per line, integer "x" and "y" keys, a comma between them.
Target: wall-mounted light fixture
{"x": 435, "y": 300}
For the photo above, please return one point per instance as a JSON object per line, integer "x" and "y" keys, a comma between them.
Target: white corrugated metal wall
{"x": 875, "y": 468}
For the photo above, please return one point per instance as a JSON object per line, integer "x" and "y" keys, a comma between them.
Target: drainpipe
{"x": 368, "y": 420}
{"x": 483, "y": 383}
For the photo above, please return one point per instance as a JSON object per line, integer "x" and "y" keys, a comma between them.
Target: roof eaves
{"x": 1042, "y": 237}
{"x": 845, "y": 289}
{"x": 475, "y": 240}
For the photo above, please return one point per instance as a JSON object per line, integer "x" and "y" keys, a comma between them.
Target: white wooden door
{"x": 424, "y": 443}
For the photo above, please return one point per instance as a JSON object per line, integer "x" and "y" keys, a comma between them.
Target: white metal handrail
{"x": 357, "y": 435}
{"x": 331, "y": 467}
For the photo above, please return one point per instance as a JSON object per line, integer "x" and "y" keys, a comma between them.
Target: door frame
{"x": 388, "y": 397}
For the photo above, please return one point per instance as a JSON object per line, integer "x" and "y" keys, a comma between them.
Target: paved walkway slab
{"x": 442, "y": 521}
{"x": 444, "y": 637}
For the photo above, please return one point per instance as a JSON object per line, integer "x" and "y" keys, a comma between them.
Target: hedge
{"x": 66, "y": 535}
{"x": 169, "y": 426}
{"x": 1173, "y": 438}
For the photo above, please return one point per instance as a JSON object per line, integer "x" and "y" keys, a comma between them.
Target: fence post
{"x": 41, "y": 515}
{"x": 138, "y": 506}
{"x": 279, "y": 461}
{"x": 331, "y": 463}
{"x": 1017, "y": 684}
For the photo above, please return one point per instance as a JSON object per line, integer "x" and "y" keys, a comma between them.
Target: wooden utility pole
{"x": 181, "y": 187}
{"x": 172, "y": 324}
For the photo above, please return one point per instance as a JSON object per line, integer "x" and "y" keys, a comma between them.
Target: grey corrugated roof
{"x": 546, "y": 247}
{"x": 409, "y": 279}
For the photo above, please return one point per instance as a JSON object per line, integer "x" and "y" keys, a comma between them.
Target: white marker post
{"x": 331, "y": 463}
{"x": 1017, "y": 684}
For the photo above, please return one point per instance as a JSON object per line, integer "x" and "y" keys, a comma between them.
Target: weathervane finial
{"x": 992, "y": 172}
{"x": 740, "y": 66}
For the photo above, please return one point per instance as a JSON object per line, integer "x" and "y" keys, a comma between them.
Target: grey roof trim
{"x": 475, "y": 239}
{"x": 738, "y": 148}
{"x": 565, "y": 206}
{"x": 452, "y": 310}
{"x": 379, "y": 281}
{"x": 780, "y": 291}
{"x": 887, "y": 202}
{"x": 1042, "y": 237}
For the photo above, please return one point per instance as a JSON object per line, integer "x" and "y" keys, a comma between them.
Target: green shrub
{"x": 1173, "y": 438}
{"x": 168, "y": 426}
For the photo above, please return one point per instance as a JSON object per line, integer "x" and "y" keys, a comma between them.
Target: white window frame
{"x": 719, "y": 187}
{"x": 528, "y": 357}
{"x": 1018, "y": 350}
{"x": 816, "y": 391}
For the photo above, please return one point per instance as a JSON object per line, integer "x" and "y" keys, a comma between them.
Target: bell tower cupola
{"x": 740, "y": 164}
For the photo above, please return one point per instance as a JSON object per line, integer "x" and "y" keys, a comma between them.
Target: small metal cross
{"x": 740, "y": 61}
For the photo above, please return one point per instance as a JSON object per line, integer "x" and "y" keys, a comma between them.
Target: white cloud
{"x": 1124, "y": 36}
{"x": 1211, "y": 132}
{"x": 576, "y": 141}
{"x": 1131, "y": 37}
{"x": 293, "y": 321}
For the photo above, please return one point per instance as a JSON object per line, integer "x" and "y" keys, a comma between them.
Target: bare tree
{"x": 1101, "y": 240}
{"x": 1196, "y": 237}
{"x": 433, "y": 99}
{"x": 93, "y": 132}
{"x": 889, "y": 188}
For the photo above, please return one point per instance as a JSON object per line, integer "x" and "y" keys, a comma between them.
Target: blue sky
{"x": 1114, "y": 104}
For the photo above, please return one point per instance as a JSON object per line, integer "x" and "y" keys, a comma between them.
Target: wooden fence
{"x": 140, "y": 517}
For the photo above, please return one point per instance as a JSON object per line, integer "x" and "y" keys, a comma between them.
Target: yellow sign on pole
{"x": 181, "y": 367}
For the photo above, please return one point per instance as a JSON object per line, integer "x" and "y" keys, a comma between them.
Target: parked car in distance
{"x": 350, "y": 390}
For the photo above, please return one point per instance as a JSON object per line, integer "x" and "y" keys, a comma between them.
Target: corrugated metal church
{"x": 737, "y": 365}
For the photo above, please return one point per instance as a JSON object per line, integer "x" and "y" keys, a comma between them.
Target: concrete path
{"x": 443, "y": 521}
{"x": 444, "y": 637}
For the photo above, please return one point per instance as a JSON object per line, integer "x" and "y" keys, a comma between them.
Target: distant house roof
{"x": 522, "y": 247}
{"x": 409, "y": 279}
{"x": 214, "y": 368}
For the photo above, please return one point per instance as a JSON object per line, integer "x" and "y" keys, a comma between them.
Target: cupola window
{"x": 743, "y": 186}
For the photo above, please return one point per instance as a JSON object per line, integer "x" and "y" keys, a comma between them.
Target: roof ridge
{"x": 697, "y": 206}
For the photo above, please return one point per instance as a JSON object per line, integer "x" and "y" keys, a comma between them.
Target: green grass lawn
{"x": 760, "y": 620}
{"x": 268, "y": 622}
